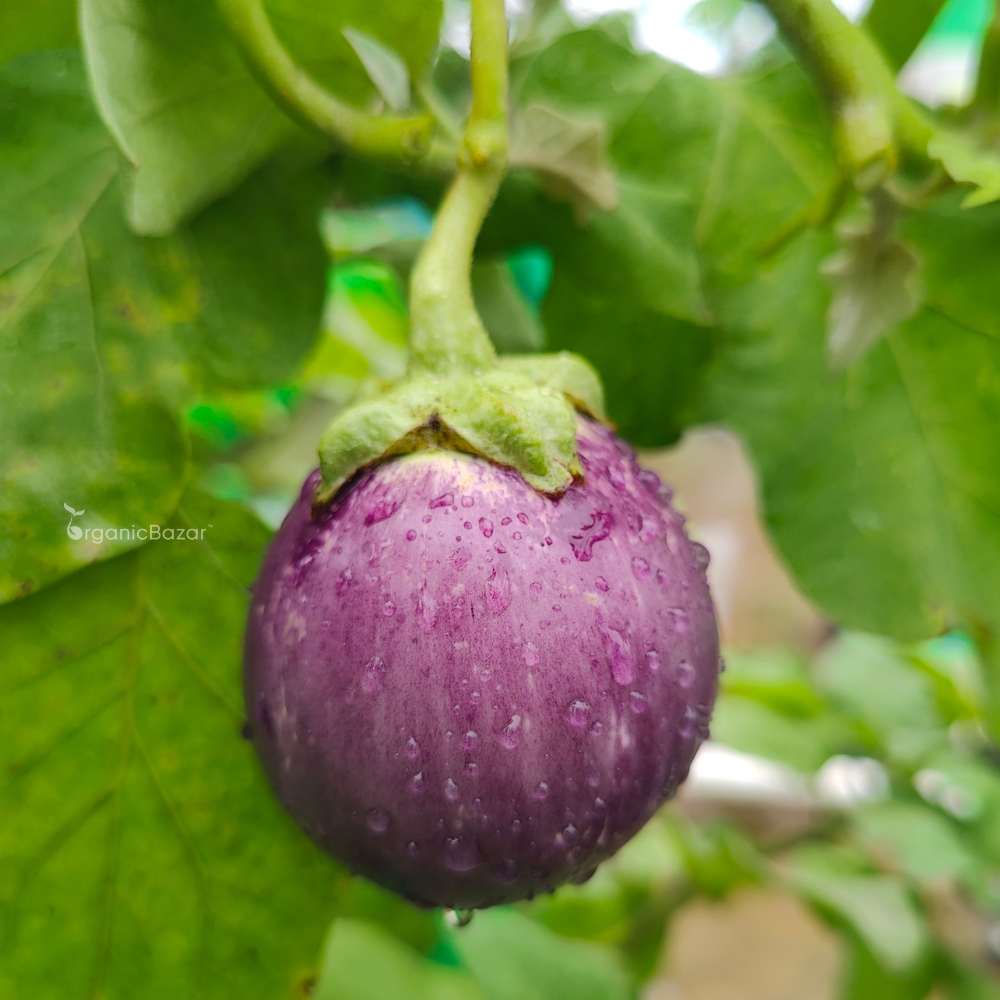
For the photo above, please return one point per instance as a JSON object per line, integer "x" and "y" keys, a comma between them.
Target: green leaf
{"x": 690, "y": 156}
{"x": 899, "y": 25}
{"x": 875, "y": 481}
{"x": 569, "y": 152}
{"x": 514, "y": 958}
{"x": 967, "y": 161}
{"x": 511, "y": 322}
{"x": 869, "y": 678}
{"x": 804, "y": 744}
{"x": 145, "y": 852}
{"x": 186, "y": 111}
{"x": 875, "y": 288}
{"x": 384, "y": 68}
{"x": 361, "y": 962}
{"x": 877, "y": 908}
{"x": 916, "y": 841}
{"x": 31, "y": 25}
{"x": 107, "y": 335}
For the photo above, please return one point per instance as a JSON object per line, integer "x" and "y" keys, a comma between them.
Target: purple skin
{"x": 470, "y": 692}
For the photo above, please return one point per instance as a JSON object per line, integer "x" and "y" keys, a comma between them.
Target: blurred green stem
{"x": 447, "y": 333}
{"x": 870, "y": 114}
{"x": 387, "y": 136}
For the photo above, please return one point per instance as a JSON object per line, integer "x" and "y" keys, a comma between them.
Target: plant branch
{"x": 391, "y": 136}
{"x": 446, "y": 332}
{"x": 871, "y": 116}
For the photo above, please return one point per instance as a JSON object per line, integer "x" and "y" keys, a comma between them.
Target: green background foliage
{"x": 166, "y": 356}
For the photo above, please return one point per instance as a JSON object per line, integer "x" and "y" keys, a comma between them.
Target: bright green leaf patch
{"x": 141, "y": 845}
{"x": 874, "y": 480}
{"x": 706, "y": 172}
{"x": 105, "y": 335}
{"x": 514, "y": 958}
{"x": 187, "y": 112}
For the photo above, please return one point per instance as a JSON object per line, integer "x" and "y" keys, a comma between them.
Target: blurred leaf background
{"x": 191, "y": 285}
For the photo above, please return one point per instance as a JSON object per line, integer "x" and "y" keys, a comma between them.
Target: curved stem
{"x": 307, "y": 100}
{"x": 848, "y": 67}
{"x": 446, "y": 331}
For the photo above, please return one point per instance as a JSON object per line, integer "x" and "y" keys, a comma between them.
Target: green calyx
{"x": 519, "y": 413}
{"x": 457, "y": 394}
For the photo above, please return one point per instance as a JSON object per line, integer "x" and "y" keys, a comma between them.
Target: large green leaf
{"x": 877, "y": 482}
{"x": 876, "y": 908}
{"x": 104, "y": 334}
{"x": 142, "y": 853}
{"x": 362, "y": 962}
{"x": 185, "y": 109}
{"x": 29, "y": 25}
{"x": 514, "y": 958}
{"x": 705, "y": 169}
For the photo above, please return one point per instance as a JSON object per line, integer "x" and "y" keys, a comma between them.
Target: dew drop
{"x": 460, "y": 557}
{"x": 678, "y": 620}
{"x": 547, "y": 540}
{"x": 619, "y": 652}
{"x": 388, "y": 609}
{"x": 374, "y": 675}
{"x": 701, "y": 555}
{"x": 470, "y": 741}
{"x": 459, "y": 918}
{"x": 344, "y": 580}
{"x": 486, "y": 527}
{"x": 471, "y": 768}
{"x": 617, "y": 479}
{"x": 650, "y": 480}
{"x": 510, "y": 735}
{"x": 498, "y": 591}
{"x": 522, "y": 517}
{"x": 506, "y": 871}
{"x": 640, "y": 567}
{"x": 500, "y": 549}
{"x": 541, "y": 792}
{"x": 530, "y": 654}
{"x": 535, "y": 588}
{"x": 411, "y": 535}
{"x": 460, "y": 855}
{"x": 467, "y": 525}
{"x": 467, "y": 501}
{"x": 595, "y": 530}
{"x": 569, "y": 834}
{"x": 416, "y": 783}
{"x": 382, "y": 511}
{"x": 597, "y": 728}
{"x": 377, "y": 820}
{"x": 505, "y": 521}
{"x": 517, "y": 536}
{"x": 637, "y": 702}
{"x": 412, "y": 848}
{"x": 602, "y": 585}
{"x": 578, "y": 713}
{"x": 411, "y": 748}
{"x": 685, "y": 675}
{"x": 451, "y": 790}
{"x": 653, "y": 660}
{"x": 445, "y": 500}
